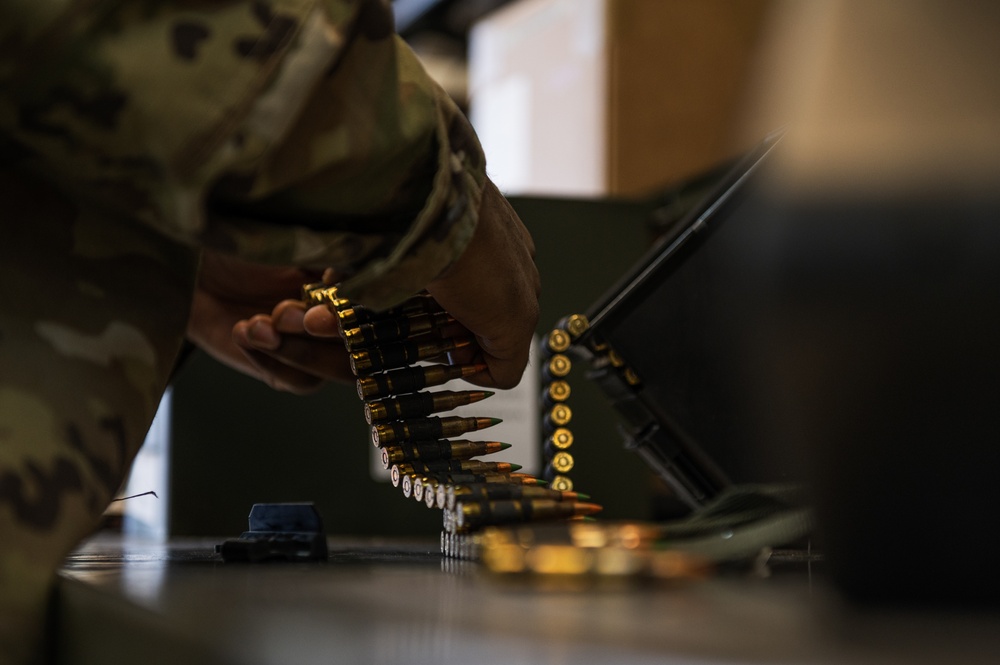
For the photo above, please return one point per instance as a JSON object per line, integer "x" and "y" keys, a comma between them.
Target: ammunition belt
{"x": 389, "y": 354}
{"x": 556, "y": 350}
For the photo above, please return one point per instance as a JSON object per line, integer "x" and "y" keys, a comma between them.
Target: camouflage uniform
{"x": 132, "y": 134}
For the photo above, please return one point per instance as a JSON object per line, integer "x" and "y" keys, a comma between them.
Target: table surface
{"x": 400, "y": 602}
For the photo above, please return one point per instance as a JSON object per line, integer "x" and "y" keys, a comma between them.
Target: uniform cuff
{"x": 442, "y": 228}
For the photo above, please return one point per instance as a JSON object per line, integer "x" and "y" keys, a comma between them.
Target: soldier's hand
{"x": 290, "y": 348}
{"x": 493, "y": 291}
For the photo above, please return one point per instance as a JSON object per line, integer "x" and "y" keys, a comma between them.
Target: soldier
{"x": 177, "y": 169}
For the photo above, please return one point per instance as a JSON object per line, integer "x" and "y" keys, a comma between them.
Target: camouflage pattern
{"x": 131, "y": 135}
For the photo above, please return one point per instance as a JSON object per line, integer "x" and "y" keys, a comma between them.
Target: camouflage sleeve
{"x": 131, "y": 134}
{"x": 293, "y": 131}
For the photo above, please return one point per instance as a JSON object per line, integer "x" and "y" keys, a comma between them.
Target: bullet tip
{"x": 588, "y": 508}
{"x": 505, "y": 446}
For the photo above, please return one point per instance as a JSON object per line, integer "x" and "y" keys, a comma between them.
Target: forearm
{"x": 293, "y": 133}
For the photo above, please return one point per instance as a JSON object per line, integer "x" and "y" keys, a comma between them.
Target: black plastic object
{"x": 683, "y": 319}
{"x": 279, "y": 532}
{"x": 843, "y": 337}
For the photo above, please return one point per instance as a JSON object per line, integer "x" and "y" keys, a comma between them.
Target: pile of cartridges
{"x": 390, "y": 354}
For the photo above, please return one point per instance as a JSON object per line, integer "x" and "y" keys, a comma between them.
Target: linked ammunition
{"x": 405, "y": 478}
{"x": 561, "y": 483}
{"x": 419, "y": 482}
{"x": 557, "y": 367}
{"x": 562, "y": 462}
{"x": 418, "y": 487}
{"x": 482, "y": 492}
{"x": 453, "y": 466}
{"x": 468, "y": 546}
{"x": 524, "y": 479}
{"x": 308, "y": 289}
{"x": 475, "y": 514}
{"x": 440, "y": 493}
{"x": 424, "y": 489}
{"x": 400, "y": 354}
{"x": 558, "y": 416}
{"x": 555, "y": 392}
{"x": 456, "y": 532}
{"x": 575, "y": 325}
{"x": 350, "y": 317}
{"x": 448, "y": 521}
{"x": 381, "y": 331}
{"x": 405, "y": 482}
{"x": 585, "y": 548}
{"x": 459, "y": 478}
{"x": 428, "y": 428}
{"x": 383, "y": 351}
{"x": 435, "y": 450}
{"x": 417, "y": 405}
{"x": 323, "y": 294}
{"x": 456, "y": 543}
{"x": 557, "y": 341}
{"x": 412, "y": 379}
{"x": 312, "y": 286}
{"x": 560, "y": 439}
{"x": 395, "y": 477}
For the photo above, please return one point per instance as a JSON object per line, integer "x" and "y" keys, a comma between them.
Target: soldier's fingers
{"x": 281, "y": 376}
{"x": 321, "y": 322}
{"x": 257, "y": 332}
{"x": 287, "y": 317}
{"x": 322, "y": 358}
